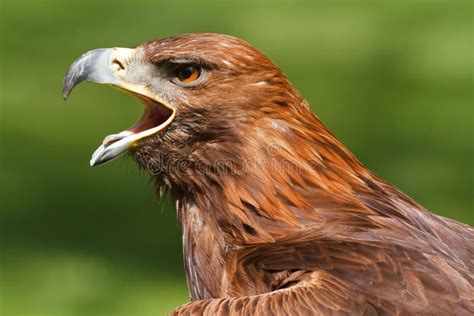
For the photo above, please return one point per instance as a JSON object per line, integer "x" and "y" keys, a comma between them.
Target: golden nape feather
{"x": 278, "y": 217}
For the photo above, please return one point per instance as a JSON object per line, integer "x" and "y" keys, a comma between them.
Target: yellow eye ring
{"x": 187, "y": 73}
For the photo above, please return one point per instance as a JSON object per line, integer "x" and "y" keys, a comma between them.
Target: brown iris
{"x": 187, "y": 73}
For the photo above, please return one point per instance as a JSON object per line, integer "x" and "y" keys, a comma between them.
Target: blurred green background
{"x": 392, "y": 79}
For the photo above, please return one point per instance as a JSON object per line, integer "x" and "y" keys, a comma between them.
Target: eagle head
{"x": 198, "y": 91}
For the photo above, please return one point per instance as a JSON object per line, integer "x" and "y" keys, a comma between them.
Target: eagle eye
{"x": 187, "y": 73}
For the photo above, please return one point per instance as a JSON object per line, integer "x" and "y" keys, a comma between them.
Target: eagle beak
{"x": 113, "y": 66}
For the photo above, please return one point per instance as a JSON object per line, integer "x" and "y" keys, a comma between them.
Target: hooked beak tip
{"x": 69, "y": 83}
{"x": 65, "y": 95}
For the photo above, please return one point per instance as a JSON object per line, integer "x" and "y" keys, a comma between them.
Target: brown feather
{"x": 278, "y": 217}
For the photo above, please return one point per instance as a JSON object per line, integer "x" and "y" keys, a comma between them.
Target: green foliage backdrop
{"x": 392, "y": 79}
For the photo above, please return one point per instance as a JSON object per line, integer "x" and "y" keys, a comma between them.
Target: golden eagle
{"x": 278, "y": 217}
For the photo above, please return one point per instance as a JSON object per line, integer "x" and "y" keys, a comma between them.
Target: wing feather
{"x": 344, "y": 276}
{"x": 301, "y": 299}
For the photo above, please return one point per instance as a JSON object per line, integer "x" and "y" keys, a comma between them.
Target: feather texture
{"x": 278, "y": 217}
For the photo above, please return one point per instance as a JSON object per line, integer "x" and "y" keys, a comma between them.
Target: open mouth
{"x": 154, "y": 118}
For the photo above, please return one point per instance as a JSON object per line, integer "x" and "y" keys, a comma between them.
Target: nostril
{"x": 118, "y": 66}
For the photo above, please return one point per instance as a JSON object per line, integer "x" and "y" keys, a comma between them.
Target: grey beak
{"x": 103, "y": 65}
{"x": 112, "y": 66}
{"x": 95, "y": 66}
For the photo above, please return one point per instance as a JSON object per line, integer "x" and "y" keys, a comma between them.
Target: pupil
{"x": 187, "y": 72}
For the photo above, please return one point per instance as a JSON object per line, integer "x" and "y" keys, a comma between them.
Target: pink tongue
{"x": 110, "y": 139}
{"x": 152, "y": 117}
